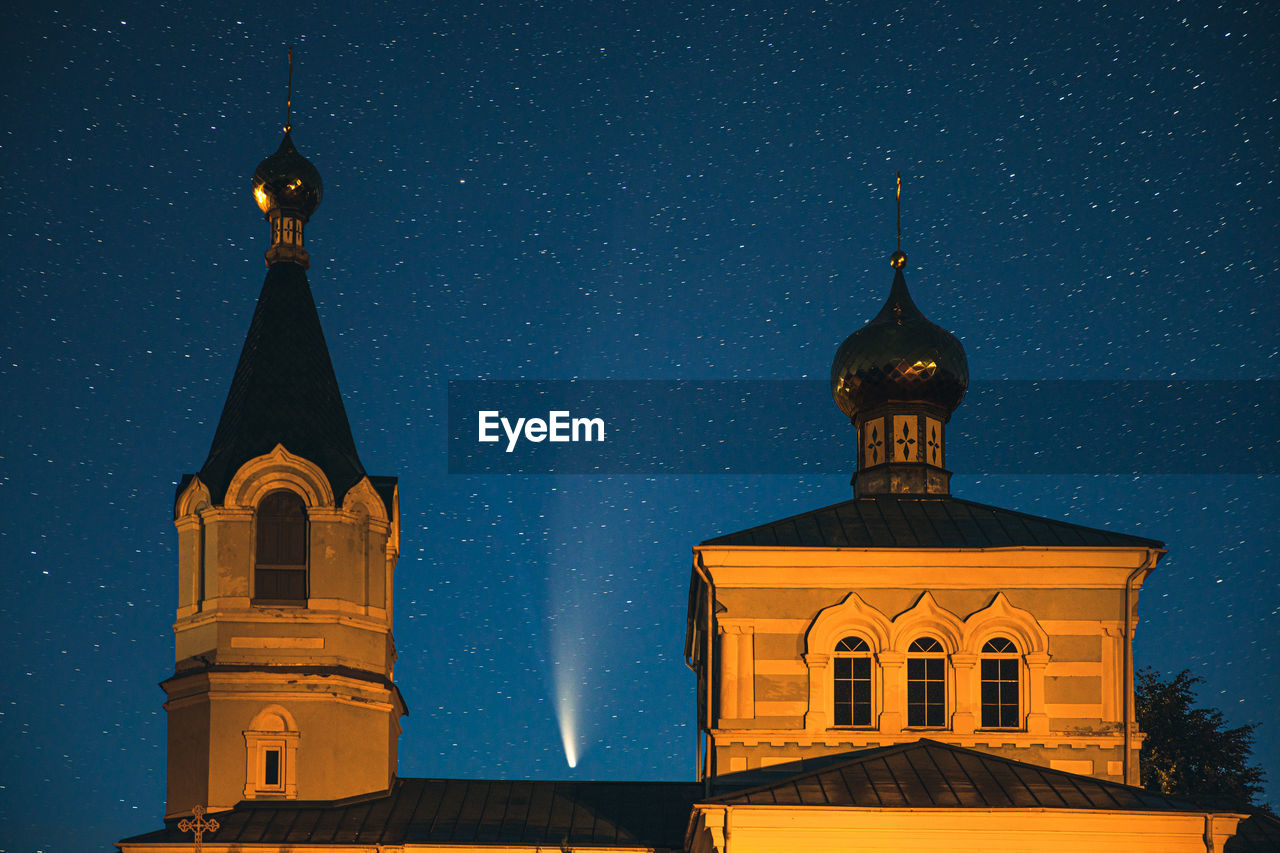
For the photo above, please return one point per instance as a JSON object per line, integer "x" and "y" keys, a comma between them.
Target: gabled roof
{"x": 284, "y": 392}
{"x": 928, "y": 774}
{"x": 456, "y": 811}
{"x": 908, "y": 521}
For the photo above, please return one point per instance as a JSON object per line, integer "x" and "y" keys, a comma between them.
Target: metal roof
{"x": 920, "y": 775}
{"x": 928, "y": 774}
{"x": 908, "y": 521}
{"x": 284, "y": 391}
{"x": 456, "y": 811}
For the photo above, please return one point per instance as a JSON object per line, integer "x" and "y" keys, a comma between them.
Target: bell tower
{"x": 282, "y": 685}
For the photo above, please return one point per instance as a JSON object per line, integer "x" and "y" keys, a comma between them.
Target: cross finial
{"x": 288, "y": 101}
{"x": 198, "y": 826}
{"x": 898, "y": 259}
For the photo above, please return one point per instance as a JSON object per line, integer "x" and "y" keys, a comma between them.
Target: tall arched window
{"x": 999, "y": 684}
{"x": 280, "y": 565}
{"x": 926, "y": 684}
{"x": 852, "y": 665}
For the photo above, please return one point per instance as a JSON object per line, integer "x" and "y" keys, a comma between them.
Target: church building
{"x": 905, "y": 670}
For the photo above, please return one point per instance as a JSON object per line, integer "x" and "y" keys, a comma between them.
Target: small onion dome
{"x": 287, "y": 181}
{"x": 899, "y": 357}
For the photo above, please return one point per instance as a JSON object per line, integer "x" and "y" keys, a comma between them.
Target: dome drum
{"x": 901, "y": 450}
{"x": 901, "y": 479}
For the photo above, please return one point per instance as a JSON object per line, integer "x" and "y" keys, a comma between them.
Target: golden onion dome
{"x": 899, "y": 357}
{"x": 286, "y": 181}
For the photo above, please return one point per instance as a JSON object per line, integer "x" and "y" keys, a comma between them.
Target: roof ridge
{"x": 969, "y": 524}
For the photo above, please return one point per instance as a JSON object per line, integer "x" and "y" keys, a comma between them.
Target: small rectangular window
{"x": 271, "y": 768}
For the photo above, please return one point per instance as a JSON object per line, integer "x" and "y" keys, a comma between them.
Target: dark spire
{"x": 284, "y": 392}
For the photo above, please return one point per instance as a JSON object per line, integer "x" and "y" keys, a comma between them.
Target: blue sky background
{"x": 599, "y": 191}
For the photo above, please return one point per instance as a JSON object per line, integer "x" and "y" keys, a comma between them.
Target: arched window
{"x": 852, "y": 682}
{"x": 926, "y": 684}
{"x": 280, "y": 565}
{"x": 999, "y": 684}
{"x": 271, "y": 754}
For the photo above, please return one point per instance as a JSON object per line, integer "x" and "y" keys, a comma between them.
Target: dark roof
{"x": 923, "y": 774}
{"x": 650, "y": 814}
{"x": 284, "y": 392}
{"x": 1258, "y": 834}
{"x": 903, "y": 521}
{"x": 928, "y": 774}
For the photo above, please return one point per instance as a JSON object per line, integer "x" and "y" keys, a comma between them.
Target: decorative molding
{"x": 1001, "y": 618}
{"x": 926, "y": 617}
{"x": 363, "y": 496}
{"x": 277, "y": 642}
{"x": 279, "y": 469}
{"x": 273, "y": 730}
{"x": 851, "y": 615}
{"x": 194, "y": 498}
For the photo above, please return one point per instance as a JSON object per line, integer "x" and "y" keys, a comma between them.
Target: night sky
{"x": 600, "y": 191}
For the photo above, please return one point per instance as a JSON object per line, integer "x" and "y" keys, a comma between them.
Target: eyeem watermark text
{"x": 558, "y": 426}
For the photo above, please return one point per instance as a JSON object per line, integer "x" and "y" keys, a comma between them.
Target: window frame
{"x": 936, "y": 678}
{"x": 1004, "y": 658}
{"x": 273, "y": 730}
{"x": 262, "y": 570}
{"x": 854, "y": 653}
{"x": 267, "y": 747}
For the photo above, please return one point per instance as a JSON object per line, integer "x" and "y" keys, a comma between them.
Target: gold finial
{"x": 288, "y": 101}
{"x": 199, "y": 826}
{"x": 898, "y": 259}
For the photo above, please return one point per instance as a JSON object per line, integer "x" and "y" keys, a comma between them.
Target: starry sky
{"x": 605, "y": 191}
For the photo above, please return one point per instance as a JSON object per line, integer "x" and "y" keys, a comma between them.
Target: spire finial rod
{"x": 899, "y": 210}
{"x": 898, "y": 259}
{"x": 288, "y": 101}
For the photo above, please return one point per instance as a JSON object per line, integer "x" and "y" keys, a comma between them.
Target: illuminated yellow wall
{"x": 317, "y": 678}
{"x": 780, "y": 611}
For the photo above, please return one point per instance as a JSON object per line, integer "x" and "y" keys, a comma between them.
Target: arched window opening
{"x": 999, "y": 684}
{"x": 926, "y": 684}
{"x": 280, "y": 570}
{"x": 852, "y": 682}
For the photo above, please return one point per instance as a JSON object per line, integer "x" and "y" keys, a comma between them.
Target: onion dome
{"x": 287, "y": 181}
{"x": 899, "y": 357}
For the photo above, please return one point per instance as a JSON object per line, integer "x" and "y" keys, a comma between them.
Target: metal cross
{"x": 197, "y": 825}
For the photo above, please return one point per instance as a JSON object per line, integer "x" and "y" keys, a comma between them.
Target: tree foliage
{"x": 1188, "y": 752}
